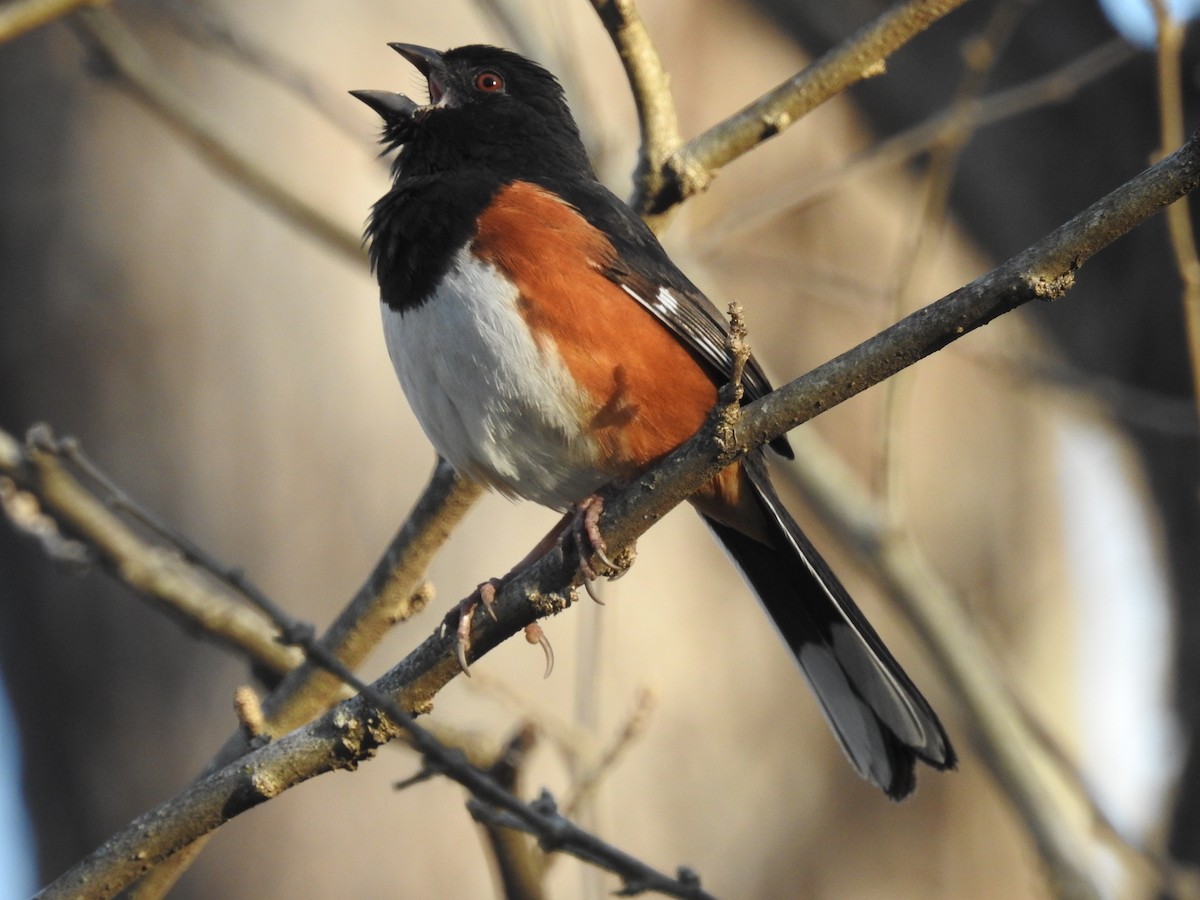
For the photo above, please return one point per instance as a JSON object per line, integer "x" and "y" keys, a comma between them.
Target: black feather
{"x": 880, "y": 718}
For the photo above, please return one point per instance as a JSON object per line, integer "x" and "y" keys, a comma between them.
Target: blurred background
{"x": 227, "y": 369}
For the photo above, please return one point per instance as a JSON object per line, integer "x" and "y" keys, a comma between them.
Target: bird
{"x": 550, "y": 348}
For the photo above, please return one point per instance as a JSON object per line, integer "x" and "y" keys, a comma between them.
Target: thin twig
{"x": 691, "y": 168}
{"x": 589, "y": 778}
{"x": 115, "y": 498}
{"x": 204, "y": 25}
{"x": 519, "y": 866}
{"x": 21, "y": 16}
{"x": 651, "y": 89}
{"x": 391, "y": 593}
{"x": 981, "y": 53}
{"x": 1057, "y": 87}
{"x": 563, "y": 836}
{"x": 348, "y": 734}
{"x": 1044, "y": 271}
{"x": 492, "y": 802}
{"x": 577, "y": 744}
{"x": 1179, "y": 221}
{"x": 104, "y": 32}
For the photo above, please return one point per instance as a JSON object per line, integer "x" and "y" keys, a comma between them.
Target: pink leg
{"x": 485, "y": 596}
{"x": 583, "y": 524}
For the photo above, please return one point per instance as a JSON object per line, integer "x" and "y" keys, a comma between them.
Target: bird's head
{"x": 488, "y": 108}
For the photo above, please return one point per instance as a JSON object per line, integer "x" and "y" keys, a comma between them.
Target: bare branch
{"x": 391, "y": 593}
{"x": 691, "y": 168}
{"x": 1179, "y": 222}
{"x": 981, "y": 53}
{"x": 347, "y": 735}
{"x": 518, "y": 864}
{"x": 138, "y": 74}
{"x": 155, "y": 572}
{"x": 1045, "y": 271}
{"x": 651, "y": 89}
{"x": 564, "y": 836}
{"x": 1058, "y": 86}
{"x": 21, "y": 16}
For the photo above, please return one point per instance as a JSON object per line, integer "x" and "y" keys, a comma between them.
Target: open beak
{"x": 430, "y": 64}
{"x": 391, "y": 107}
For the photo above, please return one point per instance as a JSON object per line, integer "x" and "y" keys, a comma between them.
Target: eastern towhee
{"x": 549, "y": 347}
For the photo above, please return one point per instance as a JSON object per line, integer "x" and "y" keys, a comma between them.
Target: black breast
{"x": 416, "y": 229}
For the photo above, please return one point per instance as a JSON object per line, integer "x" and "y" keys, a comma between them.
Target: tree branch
{"x": 651, "y": 89}
{"x": 156, "y": 572}
{"x": 348, "y": 734}
{"x": 1044, "y": 271}
{"x": 1171, "y": 34}
{"x": 691, "y": 168}
{"x": 21, "y": 16}
{"x": 120, "y": 52}
{"x": 1055, "y": 87}
{"x": 308, "y": 691}
{"x": 390, "y": 593}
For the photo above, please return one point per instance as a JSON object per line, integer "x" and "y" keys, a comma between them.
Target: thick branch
{"x": 345, "y": 736}
{"x": 155, "y": 572}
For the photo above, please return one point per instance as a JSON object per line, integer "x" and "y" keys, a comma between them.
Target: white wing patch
{"x": 704, "y": 332}
{"x": 668, "y": 301}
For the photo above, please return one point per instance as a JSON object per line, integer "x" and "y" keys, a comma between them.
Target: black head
{"x": 488, "y": 109}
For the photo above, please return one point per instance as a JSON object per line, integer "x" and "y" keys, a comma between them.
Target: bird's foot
{"x": 462, "y": 615}
{"x": 589, "y": 542}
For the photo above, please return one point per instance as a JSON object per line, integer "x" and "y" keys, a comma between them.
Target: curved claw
{"x": 586, "y": 573}
{"x": 535, "y": 635}
{"x": 598, "y": 549}
{"x": 590, "y": 510}
{"x": 462, "y": 636}
{"x": 589, "y": 582}
{"x": 487, "y": 596}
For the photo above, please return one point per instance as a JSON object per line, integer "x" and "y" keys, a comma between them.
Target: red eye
{"x": 489, "y": 82}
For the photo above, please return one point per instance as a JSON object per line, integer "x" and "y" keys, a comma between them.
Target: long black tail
{"x": 877, "y": 713}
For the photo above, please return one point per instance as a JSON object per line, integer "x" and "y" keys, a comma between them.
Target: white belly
{"x": 495, "y": 404}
